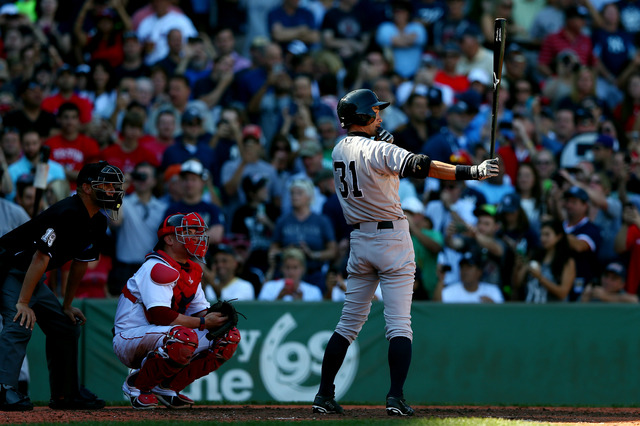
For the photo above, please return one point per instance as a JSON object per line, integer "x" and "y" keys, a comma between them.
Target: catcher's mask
{"x": 190, "y": 229}
{"x": 107, "y": 183}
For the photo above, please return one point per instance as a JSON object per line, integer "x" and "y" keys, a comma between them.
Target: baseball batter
{"x": 366, "y": 175}
{"x": 162, "y": 322}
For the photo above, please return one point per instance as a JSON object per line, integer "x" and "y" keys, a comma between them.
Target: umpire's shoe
{"x": 12, "y": 400}
{"x": 398, "y": 407}
{"x": 326, "y": 405}
{"x": 84, "y": 400}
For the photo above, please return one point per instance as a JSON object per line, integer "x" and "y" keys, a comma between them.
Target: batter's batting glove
{"x": 226, "y": 308}
{"x": 485, "y": 170}
{"x": 384, "y": 136}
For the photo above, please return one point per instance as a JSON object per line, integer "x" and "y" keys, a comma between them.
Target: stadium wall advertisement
{"x": 556, "y": 354}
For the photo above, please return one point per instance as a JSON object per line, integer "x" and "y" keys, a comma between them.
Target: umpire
{"x": 71, "y": 229}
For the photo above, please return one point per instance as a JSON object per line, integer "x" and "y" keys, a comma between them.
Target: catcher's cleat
{"x": 326, "y": 405}
{"x": 398, "y": 407}
{"x": 12, "y": 400}
{"x": 139, "y": 400}
{"x": 172, "y": 399}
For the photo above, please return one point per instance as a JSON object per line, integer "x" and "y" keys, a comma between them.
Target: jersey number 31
{"x": 341, "y": 168}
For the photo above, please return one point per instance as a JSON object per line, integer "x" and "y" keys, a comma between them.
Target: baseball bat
{"x": 40, "y": 179}
{"x": 499, "y": 36}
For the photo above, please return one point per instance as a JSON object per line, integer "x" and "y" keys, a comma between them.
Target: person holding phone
{"x": 291, "y": 287}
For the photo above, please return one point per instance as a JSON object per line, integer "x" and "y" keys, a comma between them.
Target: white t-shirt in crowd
{"x": 456, "y": 293}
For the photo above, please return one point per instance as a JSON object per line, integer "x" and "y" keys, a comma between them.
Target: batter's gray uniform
{"x": 366, "y": 175}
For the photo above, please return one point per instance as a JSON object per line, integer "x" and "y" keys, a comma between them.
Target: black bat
{"x": 499, "y": 36}
{"x": 40, "y": 179}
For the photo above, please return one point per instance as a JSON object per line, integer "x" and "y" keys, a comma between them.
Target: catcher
{"x": 164, "y": 328}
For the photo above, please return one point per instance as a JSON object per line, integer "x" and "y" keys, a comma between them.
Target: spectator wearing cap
{"x": 290, "y": 22}
{"x": 194, "y": 176}
{"x": 603, "y": 149}
{"x": 415, "y": 133}
{"x": 345, "y": 31}
{"x": 255, "y": 220}
{"x": 193, "y": 142}
{"x": 153, "y": 29}
{"x": 136, "y": 226}
{"x": 470, "y": 288}
{"x": 179, "y": 102}
{"x": 474, "y": 54}
{"x": 66, "y": 83}
{"x": 31, "y": 144}
{"x": 569, "y": 37}
{"x": 106, "y": 42}
{"x": 132, "y": 64}
{"x": 225, "y": 283}
{"x": 427, "y": 243}
{"x": 30, "y": 115}
{"x": 405, "y": 38}
{"x": 448, "y": 75}
{"x": 451, "y": 138}
{"x": 311, "y": 157}
{"x": 249, "y": 163}
{"x": 302, "y": 228}
{"x": 611, "y": 288}
{"x": 549, "y": 274}
{"x": 128, "y": 153}
{"x": 70, "y": 147}
{"x": 584, "y": 238}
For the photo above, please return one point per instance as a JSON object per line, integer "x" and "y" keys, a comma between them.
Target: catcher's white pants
{"x": 133, "y": 345}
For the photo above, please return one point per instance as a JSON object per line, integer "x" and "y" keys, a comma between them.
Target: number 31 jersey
{"x": 366, "y": 175}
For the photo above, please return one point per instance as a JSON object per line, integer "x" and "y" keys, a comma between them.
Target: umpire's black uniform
{"x": 64, "y": 232}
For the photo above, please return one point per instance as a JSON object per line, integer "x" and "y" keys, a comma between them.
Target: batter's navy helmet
{"x": 356, "y": 107}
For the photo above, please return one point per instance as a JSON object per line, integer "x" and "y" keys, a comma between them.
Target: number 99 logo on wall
{"x": 291, "y": 370}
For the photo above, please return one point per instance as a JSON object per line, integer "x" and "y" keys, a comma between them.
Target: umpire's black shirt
{"x": 64, "y": 231}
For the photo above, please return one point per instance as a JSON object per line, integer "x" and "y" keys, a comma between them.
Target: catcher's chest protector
{"x": 187, "y": 285}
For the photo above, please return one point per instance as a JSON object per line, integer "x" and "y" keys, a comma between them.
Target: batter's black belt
{"x": 387, "y": 224}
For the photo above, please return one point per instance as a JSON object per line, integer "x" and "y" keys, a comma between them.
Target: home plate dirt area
{"x": 231, "y": 413}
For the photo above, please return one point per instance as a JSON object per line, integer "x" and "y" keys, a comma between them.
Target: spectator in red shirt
{"x": 448, "y": 75}
{"x": 128, "y": 153}
{"x": 71, "y": 148}
{"x": 568, "y": 38}
{"x": 66, "y": 83}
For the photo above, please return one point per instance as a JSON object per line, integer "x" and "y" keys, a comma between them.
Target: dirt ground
{"x": 559, "y": 415}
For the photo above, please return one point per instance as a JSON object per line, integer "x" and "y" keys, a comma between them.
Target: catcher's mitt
{"x": 225, "y": 307}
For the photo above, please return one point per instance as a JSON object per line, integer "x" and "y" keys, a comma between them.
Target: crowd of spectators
{"x": 228, "y": 108}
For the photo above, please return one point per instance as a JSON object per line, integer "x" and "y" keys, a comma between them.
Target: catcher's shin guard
{"x": 180, "y": 344}
{"x": 206, "y": 362}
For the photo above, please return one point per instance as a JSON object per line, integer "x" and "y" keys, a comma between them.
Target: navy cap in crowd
{"x": 434, "y": 95}
{"x": 618, "y": 269}
{"x": 471, "y": 257}
{"x": 576, "y": 12}
{"x": 577, "y": 192}
{"x": 510, "y": 203}
{"x": 605, "y": 141}
{"x": 191, "y": 114}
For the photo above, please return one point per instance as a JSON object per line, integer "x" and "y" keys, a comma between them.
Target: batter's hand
{"x": 26, "y": 315}
{"x": 384, "y": 136}
{"x": 485, "y": 170}
{"x": 75, "y": 315}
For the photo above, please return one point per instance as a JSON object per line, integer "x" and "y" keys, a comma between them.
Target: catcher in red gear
{"x": 162, "y": 320}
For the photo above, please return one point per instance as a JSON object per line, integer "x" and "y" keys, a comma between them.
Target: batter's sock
{"x": 333, "y": 357}
{"x": 399, "y": 361}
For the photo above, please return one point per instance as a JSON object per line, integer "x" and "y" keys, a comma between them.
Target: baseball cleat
{"x": 326, "y": 405}
{"x": 398, "y": 407}
{"x": 11, "y": 399}
{"x": 139, "y": 400}
{"x": 172, "y": 399}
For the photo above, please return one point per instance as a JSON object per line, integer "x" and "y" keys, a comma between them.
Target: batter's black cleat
{"x": 326, "y": 405}
{"x": 12, "y": 400}
{"x": 398, "y": 407}
{"x": 84, "y": 400}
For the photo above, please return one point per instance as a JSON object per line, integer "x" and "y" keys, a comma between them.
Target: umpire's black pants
{"x": 61, "y": 336}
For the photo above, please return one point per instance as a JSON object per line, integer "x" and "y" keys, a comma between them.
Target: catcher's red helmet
{"x": 190, "y": 229}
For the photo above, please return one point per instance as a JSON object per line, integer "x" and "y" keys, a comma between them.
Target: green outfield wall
{"x": 567, "y": 354}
